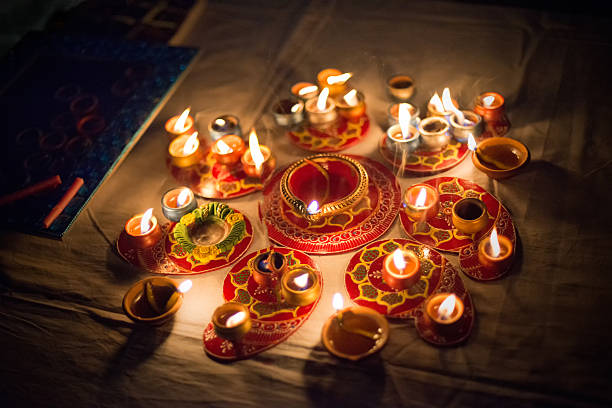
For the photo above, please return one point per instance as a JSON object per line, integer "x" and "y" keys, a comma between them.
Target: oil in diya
{"x": 421, "y": 202}
{"x": 352, "y": 105}
{"x": 231, "y": 321}
{"x": 142, "y": 230}
{"x": 400, "y": 87}
{"x": 401, "y": 269}
{"x": 443, "y": 311}
{"x": 154, "y": 300}
{"x": 495, "y": 251}
{"x": 304, "y": 90}
{"x": 470, "y": 215}
{"x": 228, "y": 150}
{"x": 178, "y": 202}
{"x": 257, "y": 160}
{"x": 287, "y": 112}
{"x": 185, "y": 150}
{"x": 402, "y": 137}
{"x": 334, "y": 80}
{"x": 300, "y": 287}
{"x": 322, "y": 109}
{"x": 180, "y": 124}
{"x": 224, "y": 125}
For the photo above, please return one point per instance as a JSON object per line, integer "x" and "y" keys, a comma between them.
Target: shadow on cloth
{"x": 332, "y": 382}
{"x": 123, "y": 272}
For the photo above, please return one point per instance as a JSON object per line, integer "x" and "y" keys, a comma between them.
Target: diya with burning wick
{"x": 495, "y": 251}
{"x": 403, "y": 138}
{"x": 498, "y": 157}
{"x": 443, "y": 311}
{"x": 178, "y": 202}
{"x": 304, "y": 90}
{"x": 185, "y": 150}
{"x": 321, "y": 110}
{"x": 393, "y": 114}
{"x": 352, "y": 105}
{"x": 300, "y": 287}
{"x": 257, "y": 160}
{"x": 490, "y": 105}
{"x": 231, "y": 321}
{"x": 268, "y": 267}
{"x": 154, "y": 300}
{"x": 436, "y": 107}
{"x": 401, "y": 269}
{"x": 421, "y": 202}
{"x": 180, "y": 124}
{"x": 142, "y": 230}
{"x": 224, "y": 125}
{"x": 401, "y": 87}
{"x": 334, "y": 80}
{"x": 287, "y": 112}
{"x": 228, "y": 150}
{"x": 469, "y": 215}
{"x": 463, "y": 123}
{"x": 354, "y": 332}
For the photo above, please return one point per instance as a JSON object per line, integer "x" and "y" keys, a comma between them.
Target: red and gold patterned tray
{"x": 273, "y": 322}
{"x": 422, "y": 163}
{"x": 365, "y": 222}
{"x": 439, "y": 232}
{"x": 342, "y": 135}
{"x": 210, "y": 179}
{"x": 168, "y": 258}
{"x": 365, "y": 286}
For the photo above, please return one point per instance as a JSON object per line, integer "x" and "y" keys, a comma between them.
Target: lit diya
{"x": 498, "y": 157}
{"x": 268, "y": 267}
{"x": 421, "y": 202}
{"x": 463, "y": 123}
{"x": 224, "y": 125}
{"x": 321, "y": 109}
{"x": 495, "y": 251}
{"x": 443, "y": 312}
{"x": 401, "y": 269}
{"x": 490, "y": 105}
{"x": 354, "y": 332}
{"x": 287, "y": 112}
{"x": 142, "y": 230}
{"x": 185, "y": 150}
{"x": 402, "y": 137}
{"x": 178, "y": 202}
{"x": 304, "y": 90}
{"x": 231, "y": 321}
{"x": 300, "y": 286}
{"x": 352, "y": 105}
{"x": 257, "y": 160}
{"x": 180, "y": 124}
{"x": 154, "y": 300}
{"x": 228, "y": 149}
{"x": 393, "y": 114}
{"x": 334, "y": 80}
{"x": 323, "y": 185}
{"x": 436, "y": 106}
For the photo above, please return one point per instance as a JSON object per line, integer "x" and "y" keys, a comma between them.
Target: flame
{"x": 351, "y": 97}
{"x": 322, "y": 101}
{"x": 398, "y": 260}
{"x": 185, "y": 286}
{"x": 295, "y": 108}
{"x": 449, "y": 106}
{"x": 495, "y": 248}
{"x": 421, "y": 197}
{"x": 223, "y": 147}
{"x": 339, "y": 79}
{"x": 220, "y": 122}
{"x": 191, "y": 144}
{"x": 488, "y": 100}
{"x": 437, "y": 102}
{"x": 471, "y": 143}
{"x": 235, "y": 319}
{"x": 256, "y": 155}
{"x": 145, "y": 221}
{"x": 182, "y": 197}
{"x": 337, "y": 301}
{"x": 307, "y": 89}
{"x": 179, "y": 125}
{"x": 313, "y": 207}
{"x": 447, "y": 307}
{"x": 404, "y": 119}
{"x": 301, "y": 281}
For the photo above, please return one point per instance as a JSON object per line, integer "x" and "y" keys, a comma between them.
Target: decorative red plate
{"x": 210, "y": 179}
{"x": 365, "y": 286}
{"x": 365, "y": 222}
{"x": 273, "y": 322}
{"x": 421, "y": 162}
{"x": 153, "y": 259}
{"x": 341, "y": 135}
{"x": 439, "y": 232}
{"x": 468, "y": 255}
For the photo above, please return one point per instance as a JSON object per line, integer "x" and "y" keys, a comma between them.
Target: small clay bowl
{"x": 137, "y": 307}
{"x": 470, "y": 215}
{"x": 509, "y": 151}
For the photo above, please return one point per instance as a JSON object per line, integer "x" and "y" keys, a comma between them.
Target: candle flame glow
{"x": 301, "y": 281}
{"x": 295, "y": 108}
{"x": 191, "y": 144}
{"x": 223, "y": 147}
{"x": 471, "y": 143}
{"x": 145, "y": 221}
{"x": 447, "y": 307}
{"x": 339, "y": 79}
{"x": 307, "y": 89}
{"x": 256, "y": 154}
{"x": 398, "y": 260}
{"x": 351, "y": 98}
{"x": 182, "y": 197}
{"x": 337, "y": 301}
{"x": 488, "y": 100}
{"x": 220, "y": 122}
{"x": 179, "y": 125}
{"x": 495, "y": 248}
{"x": 185, "y": 286}
{"x": 437, "y": 102}
{"x": 404, "y": 117}
{"x": 235, "y": 319}
{"x": 313, "y": 207}
{"x": 322, "y": 101}
{"x": 449, "y": 106}
{"x": 421, "y": 197}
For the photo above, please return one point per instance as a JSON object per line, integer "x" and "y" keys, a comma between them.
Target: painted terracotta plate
{"x": 366, "y": 221}
{"x": 341, "y": 135}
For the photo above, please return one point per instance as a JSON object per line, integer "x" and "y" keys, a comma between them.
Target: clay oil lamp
{"x": 435, "y": 107}
{"x": 224, "y": 125}
{"x": 435, "y": 133}
{"x": 463, "y": 123}
{"x": 352, "y": 105}
{"x": 401, "y": 269}
{"x": 142, "y": 230}
{"x": 185, "y": 150}
{"x": 443, "y": 311}
{"x": 400, "y": 87}
{"x": 154, "y": 300}
{"x": 470, "y": 215}
{"x": 304, "y": 91}
{"x": 300, "y": 287}
{"x": 287, "y": 112}
{"x": 490, "y": 105}
{"x": 499, "y": 157}
{"x": 421, "y": 202}
{"x": 257, "y": 160}
{"x": 178, "y": 202}
{"x": 321, "y": 110}
{"x": 403, "y": 137}
{"x": 180, "y": 124}
{"x": 334, "y": 80}
{"x": 393, "y": 114}
{"x": 495, "y": 251}
{"x": 228, "y": 149}
{"x": 231, "y": 321}
{"x": 268, "y": 267}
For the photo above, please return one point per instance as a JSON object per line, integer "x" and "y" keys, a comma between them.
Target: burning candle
{"x": 231, "y": 321}
{"x": 444, "y": 311}
{"x": 435, "y": 134}
{"x": 472, "y": 126}
{"x": 154, "y": 300}
{"x": 178, "y": 202}
{"x": 436, "y": 106}
{"x": 402, "y": 137}
{"x": 304, "y": 90}
{"x": 495, "y": 251}
{"x": 469, "y": 215}
{"x": 393, "y": 114}
{"x": 180, "y": 124}
{"x": 321, "y": 110}
{"x": 224, "y": 125}
{"x": 401, "y": 269}
{"x": 490, "y": 105}
{"x": 352, "y": 105}
{"x": 401, "y": 87}
{"x": 268, "y": 267}
{"x": 258, "y": 159}
{"x": 421, "y": 202}
{"x": 143, "y": 230}
{"x": 334, "y": 80}
{"x": 300, "y": 287}
{"x": 185, "y": 150}
{"x": 288, "y": 112}
{"x": 228, "y": 150}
